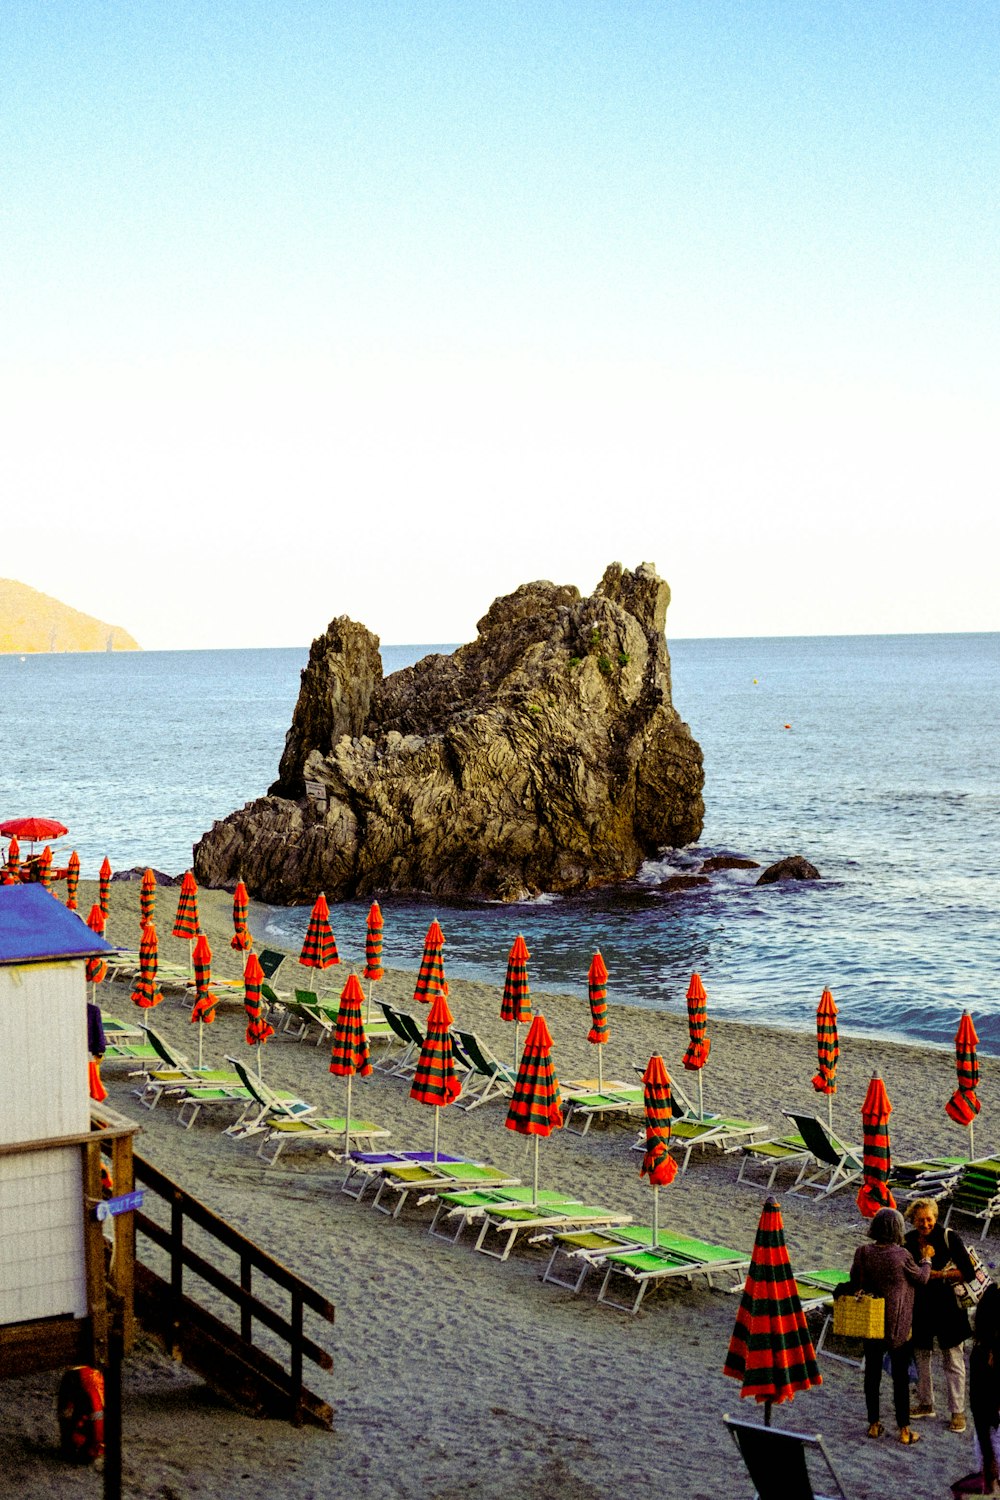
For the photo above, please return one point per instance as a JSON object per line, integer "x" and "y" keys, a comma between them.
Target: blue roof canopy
{"x": 34, "y": 925}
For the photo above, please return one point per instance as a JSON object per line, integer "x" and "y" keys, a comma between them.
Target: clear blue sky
{"x": 382, "y": 309}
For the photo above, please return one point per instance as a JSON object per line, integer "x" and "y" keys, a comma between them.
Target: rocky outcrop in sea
{"x": 546, "y": 755}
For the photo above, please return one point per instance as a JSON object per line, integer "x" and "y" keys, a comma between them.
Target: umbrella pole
{"x": 259, "y": 1064}
{"x": 701, "y": 1098}
{"x": 437, "y": 1123}
{"x": 347, "y": 1120}
{"x": 972, "y": 1141}
{"x": 368, "y": 1007}
{"x": 201, "y": 1033}
{"x": 829, "y": 1111}
{"x": 517, "y": 1049}
{"x": 767, "y": 1413}
{"x": 600, "y": 1070}
{"x": 535, "y": 1187}
{"x": 656, "y": 1215}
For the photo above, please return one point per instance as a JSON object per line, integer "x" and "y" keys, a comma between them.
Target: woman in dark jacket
{"x": 984, "y": 1383}
{"x": 885, "y": 1268}
{"x": 936, "y": 1314}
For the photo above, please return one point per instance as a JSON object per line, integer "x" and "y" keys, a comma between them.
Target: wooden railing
{"x": 229, "y": 1358}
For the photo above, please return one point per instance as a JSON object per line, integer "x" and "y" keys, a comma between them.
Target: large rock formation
{"x": 544, "y": 756}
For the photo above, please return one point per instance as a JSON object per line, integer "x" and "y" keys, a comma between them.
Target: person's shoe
{"x": 916, "y": 1412}
{"x": 875, "y": 1430}
{"x": 907, "y": 1435}
{"x": 957, "y": 1423}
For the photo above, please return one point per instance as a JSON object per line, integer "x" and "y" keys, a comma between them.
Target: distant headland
{"x": 30, "y": 622}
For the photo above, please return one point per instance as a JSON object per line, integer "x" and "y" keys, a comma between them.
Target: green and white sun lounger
{"x": 457, "y": 1209}
{"x": 193, "y": 1099}
{"x": 430, "y": 1178}
{"x": 588, "y": 1105}
{"x": 761, "y": 1161}
{"x": 283, "y": 1118}
{"x": 831, "y": 1165}
{"x": 503, "y": 1225}
{"x": 674, "y": 1256}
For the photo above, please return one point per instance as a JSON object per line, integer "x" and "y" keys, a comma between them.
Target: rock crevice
{"x": 546, "y": 755}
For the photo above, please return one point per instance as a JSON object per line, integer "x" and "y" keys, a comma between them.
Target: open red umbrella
{"x": 770, "y": 1352}
{"x": 259, "y": 1029}
{"x": 319, "y": 946}
{"x": 146, "y": 994}
{"x": 964, "y": 1106}
{"x": 373, "y": 970}
{"x": 434, "y": 1082}
{"x": 96, "y": 967}
{"x": 104, "y": 886}
{"x": 205, "y": 1001}
{"x": 72, "y": 880}
{"x": 516, "y": 1003}
{"x": 657, "y": 1163}
{"x": 430, "y": 979}
{"x": 349, "y": 1053}
{"x": 241, "y": 939}
{"x": 147, "y": 897}
{"x": 827, "y": 1051}
{"x": 696, "y": 1055}
{"x": 876, "y": 1157}
{"x": 597, "y": 994}
{"x": 33, "y": 829}
{"x": 536, "y": 1104}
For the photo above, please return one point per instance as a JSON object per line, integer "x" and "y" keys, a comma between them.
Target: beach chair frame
{"x": 837, "y": 1164}
{"x": 486, "y": 1077}
{"x": 777, "y": 1461}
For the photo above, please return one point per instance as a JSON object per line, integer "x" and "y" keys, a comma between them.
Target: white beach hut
{"x": 51, "y": 1251}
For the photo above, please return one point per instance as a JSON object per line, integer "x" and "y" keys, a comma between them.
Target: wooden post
{"x": 113, "y": 1416}
{"x": 176, "y": 1269}
{"x": 295, "y": 1363}
{"x": 246, "y": 1285}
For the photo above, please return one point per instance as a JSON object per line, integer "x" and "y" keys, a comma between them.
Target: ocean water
{"x": 873, "y": 756}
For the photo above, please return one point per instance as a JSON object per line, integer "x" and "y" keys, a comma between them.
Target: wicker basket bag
{"x": 860, "y": 1317}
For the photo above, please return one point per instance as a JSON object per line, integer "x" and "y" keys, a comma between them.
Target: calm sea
{"x": 873, "y": 756}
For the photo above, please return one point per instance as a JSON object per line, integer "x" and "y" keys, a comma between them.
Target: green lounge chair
{"x": 270, "y": 960}
{"x": 405, "y": 1029}
{"x": 836, "y": 1165}
{"x": 117, "y": 1030}
{"x": 673, "y": 1256}
{"x": 778, "y": 1462}
{"x": 504, "y": 1224}
{"x": 192, "y": 1100}
{"x": 177, "y": 1074}
{"x": 283, "y": 1118}
{"x": 462, "y": 1208}
{"x": 486, "y": 1077}
{"x": 430, "y": 1178}
{"x": 591, "y": 1104}
{"x": 768, "y": 1158}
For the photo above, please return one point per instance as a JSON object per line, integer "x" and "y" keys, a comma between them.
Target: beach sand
{"x": 455, "y": 1375}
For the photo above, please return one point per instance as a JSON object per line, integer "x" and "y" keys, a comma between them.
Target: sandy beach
{"x": 455, "y": 1375}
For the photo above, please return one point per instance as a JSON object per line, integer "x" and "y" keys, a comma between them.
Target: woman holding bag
{"x": 885, "y": 1268}
{"x": 936, "y": 1313}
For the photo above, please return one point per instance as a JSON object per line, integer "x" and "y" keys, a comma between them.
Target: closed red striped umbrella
{"x": 770, "y": 1352}
{"x": 72, "y": 880}
{"x": 827, "y": 1050}
{"x": 373, "y": 970}
{"x": 203, "y": 1010}
{"x": 696, "y": 1055}
{"x": 430, "y": 979}
{"x": 14, "y": 857}
{"x": 259, "y": 1029}
{"x": 319, "y": 946}
{"x": 876, "y": 1155}
{"x": 536, "y": 1105}
{"x": 186, "y": 918}
{"x": 964, "y": 1106}
{"x": 349, "y": 1053}
{"x": 147, "y": 898}
{"x": 657, "y": 1163}
{"x": 104, "y": 885}
{"x": 45, "y": 868}
{"x": 597, "y": 994}
{"x": 146, "y": 994}
{"x": 516, "y": 1003}
{"x": 96, "y": 967}
{"x": 241, "y": 939}
{"x": 434, "y": 1082}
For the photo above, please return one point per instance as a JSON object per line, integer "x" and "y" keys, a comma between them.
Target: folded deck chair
{"x": 405, "y": 1030}
{"x": 936, "y": 1177}
{"x": 504, "y": 1224}
{"x": 761, "y": 1161}
{"x": 485, "y": 1076}
{"x": 430, "y": 1177}
{"x": 832, "y": 1165}
{"x": 977, "y": 1193}
{"x": 778, "y": 1462}
{"x": 673, "y": 1256}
